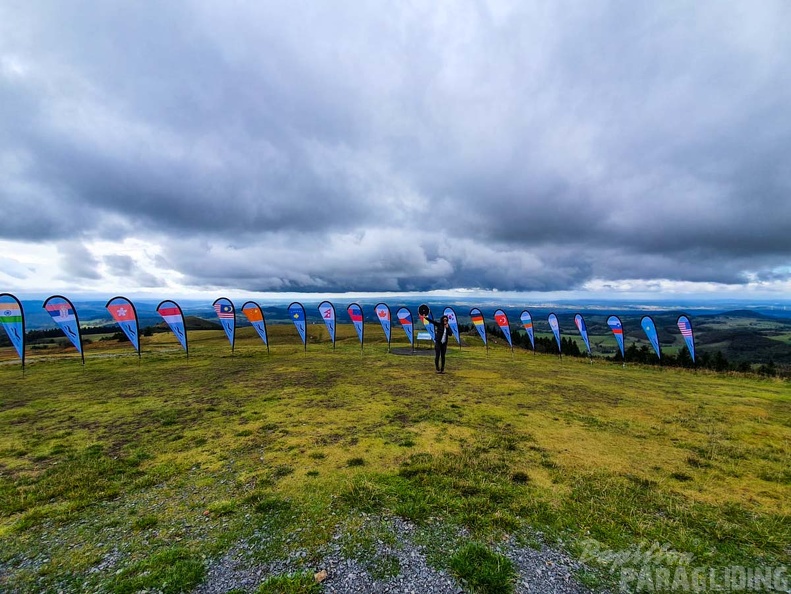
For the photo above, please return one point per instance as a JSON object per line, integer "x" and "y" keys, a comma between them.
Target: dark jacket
{"x": 439, "y": 328}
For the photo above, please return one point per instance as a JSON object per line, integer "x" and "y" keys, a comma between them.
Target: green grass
{"x": 124, "y": 476}
{"x": 300, "y": 583}
{"x": 482, "y": 570}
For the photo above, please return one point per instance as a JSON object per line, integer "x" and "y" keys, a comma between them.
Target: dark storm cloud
{"x": 393, "y": 147}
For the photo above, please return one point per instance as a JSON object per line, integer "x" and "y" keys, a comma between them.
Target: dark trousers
{"x": 439, "y": 355}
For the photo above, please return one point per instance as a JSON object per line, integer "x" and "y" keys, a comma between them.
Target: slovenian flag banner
{"x": 405, "y": 317}
{"x": 649, "y": 328}
{"x": 296, "y": 311}
{"x": 686, "y": 331}
{"x": 65, "y": 316}
{"x": 173, "y": 316}
{"x": 383, "y": 314}
{"x": 125, "y": 315}
{"x": 356, "y": 314}
{"x": 12, "y": 318}
{"x": 226, "y": 312}
{"x": 553, "y": 324}
{"x": 527, "y": 322}
{"x": 453, "y": 323}
{"x": 502, "y": 322}
{"x": 327, "y": 313}
{"x": 477, "y": 320}
{"x": 614, "y": 322}
{"x": 255, "y": 315}
{"x": 579, "y": 321}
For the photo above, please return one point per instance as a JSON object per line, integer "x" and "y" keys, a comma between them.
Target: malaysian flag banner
{"x": 65, "y": 316}
{"x": 174, "y": 318}
{"x": 327, "y": 313}
{"x": 527, "y": 322}
{"x": 12, "y": 318}
{"x": 579, "y": 321}
{"x": 614, "y": 322}
{"x": 383, "y": 314}
{"x": 453, "y": 322}
{"x": 227, "y": 314}
{"x": 685, "y": 326}
{"x": 476, "y": 315}
{"x": 502, "y": 322}
{"x": 255, "y": 315}
{"x": 555, "y": 327}
{"x": 125, "y": 315}
{"x": 405, "y": 318}
{"x": 296, "y": 311}
{"x": 648, "y": 326}
{"x": 356, "y": 314}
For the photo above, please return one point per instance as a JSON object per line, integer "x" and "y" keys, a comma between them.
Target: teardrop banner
{"x": 685, "y": 326}
{"x": 453, "y": 322}
{"x": 174, "y": 317}
{"x": 555, "y": 327}
{"x": 405, "y": 318}
{"x": 327, "y": 313}
{"x": 424, "y": 311}
{"x": 527, "y": 322}
{"x": 649, "y": 327}
{"x": 356, "y": 314}
{"x": 614, "y": 322}
{"x": 226, "y": 312}
{"x": 476, "y": 315}
{"x": 255, "y": 315}
{"x": 12, "y": 318}
{"x": 501, "y": 319}
{"x": 296, "y": 311}
{"x": 383, "y": 314}
{"x": 65, "y": 316}
{"x": 125, "y": 315}
{"x": 579, "y": 321}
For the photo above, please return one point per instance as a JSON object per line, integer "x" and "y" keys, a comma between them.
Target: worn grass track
{"x": 127, "y": 475}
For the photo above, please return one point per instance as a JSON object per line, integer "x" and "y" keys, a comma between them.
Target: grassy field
{"x": 128, "y": 475}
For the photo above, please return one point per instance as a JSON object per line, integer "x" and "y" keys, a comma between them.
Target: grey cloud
{"x": 76, "y": 262}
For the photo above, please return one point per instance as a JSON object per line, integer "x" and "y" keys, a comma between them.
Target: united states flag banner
{"x": 174, "y": 318}
{"x": 555, "y": 327}
{"x": 327, "y": 313}
{"x": 255, "y": 315}
{"x": 685, "y": 326}
{"x": 614, "y": 322}
{"x": 527, "y": 322}
{"x": 227, "y": 313}
{"x": 12, "y": 318}
{"x": 65, "y": 316}
{"x": 649, "y": 327}
{"x": 502, "y": 322}
{"x": 383, "y": 314}
{"x": 579, "y": 321}
{"x": 125, "y": 315}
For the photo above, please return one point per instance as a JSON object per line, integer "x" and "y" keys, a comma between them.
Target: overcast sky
{"x": 600, "y": 147}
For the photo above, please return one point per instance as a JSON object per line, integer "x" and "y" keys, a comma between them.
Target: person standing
{"x": 441, "y": 334}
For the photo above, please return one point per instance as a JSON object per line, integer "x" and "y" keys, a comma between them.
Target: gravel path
{"x": 544, "y": 571}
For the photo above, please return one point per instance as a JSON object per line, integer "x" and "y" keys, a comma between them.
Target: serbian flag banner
{"x": 12, "y": 318}
{"x": 327, "y": 313}
{"x": 649, "y": 328}
{"x": 383, "y": 314}
{"x": 685, "y": 326}
{"x": 555, "y": 326}
{"x": 477, "y": 320}
{"x": 296, "y": 311}
{"x": 614, "y": 322}
{"x": 527, "y": 322}
{"x": 453, "y": 322}
{"x": 65, "y": 316}
{"x": 174, "y": 317}
{"x": 579, "y": 321}
{"x": 226, "y": 312}
{"x": 125, "y": 315}
{"x": 356, "y": 314}
{"x": 405, "y": 318}
{"x": 255, "y": 315}
{"x": 502, "y": 322}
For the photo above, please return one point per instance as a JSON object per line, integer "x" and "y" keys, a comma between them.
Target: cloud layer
{"x": 339, "y": 146}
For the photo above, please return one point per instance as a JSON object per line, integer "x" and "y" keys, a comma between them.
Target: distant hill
{"x": 194, "y": 323}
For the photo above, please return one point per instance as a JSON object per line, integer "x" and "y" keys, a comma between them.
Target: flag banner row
{"x": 124, "y": 313}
